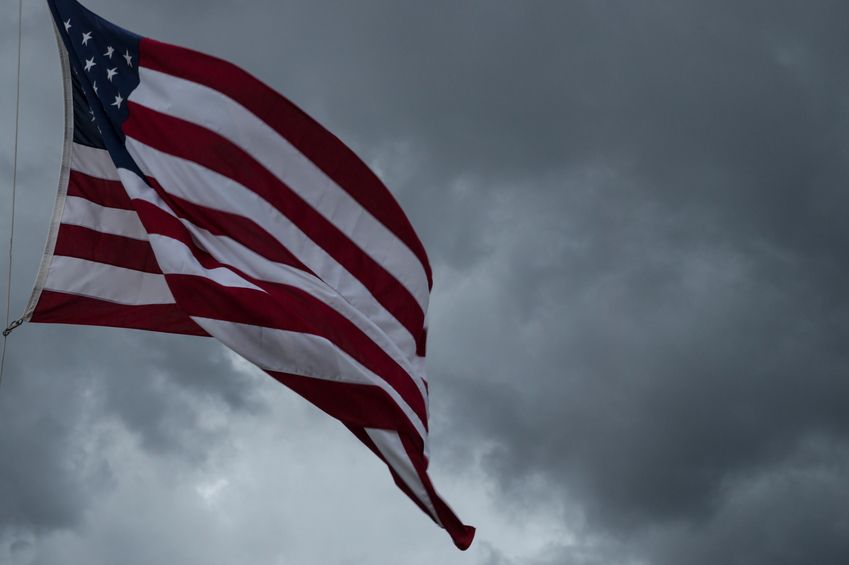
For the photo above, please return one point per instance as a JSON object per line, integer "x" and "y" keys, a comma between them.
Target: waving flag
{"x": 194, "y": 199}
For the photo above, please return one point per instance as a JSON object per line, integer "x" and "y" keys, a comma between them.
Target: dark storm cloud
{"x": 57, "y": 395}
{"x": 787, "y": 513}
{"x": 41, "y": 490}
{"x": 636, "y": 214}
{"x": 689, "y": 326}
{"x": 672, "y": 286}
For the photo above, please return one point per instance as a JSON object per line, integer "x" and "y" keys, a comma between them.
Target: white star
{"x": 94, "y": 86}
{"x": 111, "y": 73}
{"x": 67, "y": 25}
{"x": 109, "y": 51}
{"x": 86, "y": 37}
{"x": 129, "y": 59}
{"x": 118, "y": 101}
{"x": 89, "y": 63}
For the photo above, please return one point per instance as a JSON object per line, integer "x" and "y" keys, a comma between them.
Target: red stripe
{"x": 91, "y": 245}
{"x": 280, "y": 306}
{"x": 104, "y": 192}
{"x": 363, "y": 436}
{"x": 312, "y": 140}
{"x": 353, "y": 404}
{"x": 197, "y": 144}
{"x": 462, "y": 534}
{"x": 159, "y": 222}
{"x": 244, "y": 230}
{"x": 290, "y": 309}
{"x": 60, "y": 308}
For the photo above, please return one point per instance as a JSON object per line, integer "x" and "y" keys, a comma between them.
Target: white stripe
{"x": 175, "y": 258}
{"x": 106, "y": 282}
{"x": 390, "y": 446}
{"x": 93, "y": 162}
{"x": 270, "y": 349}
{"x": 204, "y": 187}
{"x": 301, "y": 354}
{"x": 213, "y": 110}
{"x": 114, "y": 221}
{"x": 230, "y": 252}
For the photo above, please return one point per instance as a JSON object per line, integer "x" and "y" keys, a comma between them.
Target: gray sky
{"x": 636, "y": 212}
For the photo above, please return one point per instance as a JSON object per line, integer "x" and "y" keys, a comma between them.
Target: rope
{"x": 11, "y": 327}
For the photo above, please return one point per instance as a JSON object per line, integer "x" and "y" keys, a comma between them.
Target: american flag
{"x": 196, "y": 200}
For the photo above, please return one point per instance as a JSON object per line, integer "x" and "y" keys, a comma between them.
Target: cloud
{"x": 636, "y": 214}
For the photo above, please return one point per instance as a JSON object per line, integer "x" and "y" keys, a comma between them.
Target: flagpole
{"x": 10, "y": 327}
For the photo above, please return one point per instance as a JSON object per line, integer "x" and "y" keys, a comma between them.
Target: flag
{"x": 196, "y": 200}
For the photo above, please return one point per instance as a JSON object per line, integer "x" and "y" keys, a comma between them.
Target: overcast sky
{"x": 637, "y": 216}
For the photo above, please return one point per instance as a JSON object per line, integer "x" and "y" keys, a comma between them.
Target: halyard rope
{"x": 12, "y": 326}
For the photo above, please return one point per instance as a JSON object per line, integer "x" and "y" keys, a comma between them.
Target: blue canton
{"x": 103, "y": 62}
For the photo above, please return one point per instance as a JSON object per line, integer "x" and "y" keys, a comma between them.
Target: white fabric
{"x": 106, "y": 282}
{"x": 213, "y": 110}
